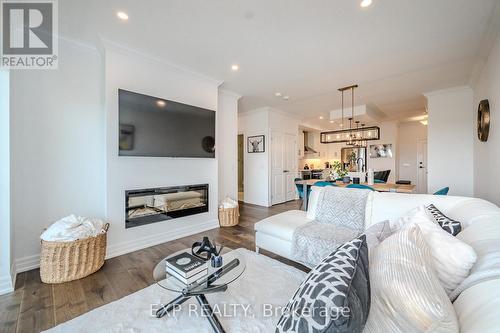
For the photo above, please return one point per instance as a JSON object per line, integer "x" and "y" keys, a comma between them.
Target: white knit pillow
{"x": 406, "y": 294}
{"x": 452, "y": 258}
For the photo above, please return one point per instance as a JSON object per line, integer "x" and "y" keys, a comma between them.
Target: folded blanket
{"x": 314, "y": 241}
{"x": 340, "y": 216}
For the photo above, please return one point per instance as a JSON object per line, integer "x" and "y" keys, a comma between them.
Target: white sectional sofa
{"x": 478, "y": 306}
{"x": 275, "y": 233}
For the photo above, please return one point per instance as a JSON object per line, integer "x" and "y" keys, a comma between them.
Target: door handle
{"x": 285, "y": 171}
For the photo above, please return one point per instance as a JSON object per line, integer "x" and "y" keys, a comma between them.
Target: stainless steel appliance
{"x": 353, "y": 159}
{"x": 316, "y": 174}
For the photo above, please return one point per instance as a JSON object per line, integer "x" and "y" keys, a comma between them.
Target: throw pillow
{"x": 335, "y": 296}
{"x": 451, "y": 226}
{"x": 407, "y": 297}
{"x": 452, "y": 258}
{"x": 376, "y": 233}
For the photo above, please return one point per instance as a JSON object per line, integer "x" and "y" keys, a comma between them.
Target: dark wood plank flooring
{"x": 35, "y": 306}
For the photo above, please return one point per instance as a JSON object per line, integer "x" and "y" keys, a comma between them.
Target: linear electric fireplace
{"x": 164, "y": 203}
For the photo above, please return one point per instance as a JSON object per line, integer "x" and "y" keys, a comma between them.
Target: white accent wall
{"x": 6, "y": 255}
{"x": 129, "y": 70}
{"x": 450, "y": 140}
{"x": 227, "y": 144}
{"x": 487, "y": 154}
{"x": 64, "y": 148}
{"x": 256, "y": 165}
{"x": 57, "y": 146}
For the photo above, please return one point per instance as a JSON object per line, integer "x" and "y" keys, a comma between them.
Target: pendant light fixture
{"x": 354, "y": 136}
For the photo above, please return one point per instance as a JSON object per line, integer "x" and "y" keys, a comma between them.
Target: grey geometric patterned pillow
{"x": 335, "y": 296}
{"x": 451, "y": 226}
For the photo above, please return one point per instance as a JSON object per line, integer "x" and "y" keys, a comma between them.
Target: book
{"x": 186, "y": 265}
{"x": 189, "y": 280}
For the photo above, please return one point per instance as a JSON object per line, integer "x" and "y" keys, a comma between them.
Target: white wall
{"x": 409, "y": 135}
{"x": 129, "y": 70}
{"x": 256, "y": 165}
{"x": 62, "y": 162}
{"x": 487, "y": 154}
{"x": 227, "y": 144}
{"x": 6, "y": 283}
{"x": 57, "y": 146}
{"x": 388, "y": 135}
{"x": 450, "y": 140}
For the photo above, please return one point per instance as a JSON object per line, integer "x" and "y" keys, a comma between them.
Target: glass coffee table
{"x": 216, "y": 281}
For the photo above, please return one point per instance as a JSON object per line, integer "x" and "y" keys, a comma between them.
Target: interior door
{"x": 422, "y": 166}
{"x": 277, "y": 167}
{"x": 240, "y": 162}
{"x": 290, "y": 165}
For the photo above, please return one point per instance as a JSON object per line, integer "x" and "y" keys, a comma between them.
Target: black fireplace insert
{"x": 147, "y": 206}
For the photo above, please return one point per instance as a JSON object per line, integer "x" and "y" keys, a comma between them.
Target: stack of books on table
{"x": 186, "y": 268}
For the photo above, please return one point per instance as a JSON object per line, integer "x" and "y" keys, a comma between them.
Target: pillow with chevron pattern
{"x": 335, "y": 296}
{"x": 449, "y": 225}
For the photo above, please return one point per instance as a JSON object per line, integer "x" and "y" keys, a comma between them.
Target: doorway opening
{"x": 241, "y": 166}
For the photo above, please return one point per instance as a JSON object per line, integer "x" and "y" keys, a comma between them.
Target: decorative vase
{"x": 346, "y": 180}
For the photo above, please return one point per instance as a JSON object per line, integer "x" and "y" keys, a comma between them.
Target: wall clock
{"x": 483, "y": 120}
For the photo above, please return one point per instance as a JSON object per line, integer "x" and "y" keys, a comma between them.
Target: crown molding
{"x": 446, "y": 90}
{"x": 109, "y": 45}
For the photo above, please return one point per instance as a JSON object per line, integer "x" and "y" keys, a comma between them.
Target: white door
{"x": 277, "y": 167}
{"x": 422, "y": 166}
{"x": 290, "y": 165}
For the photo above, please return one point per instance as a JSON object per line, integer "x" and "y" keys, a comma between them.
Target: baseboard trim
{"x": 31, "y": 262}
{"x": 144, "y": 242}
{"x": 27, "y": 263}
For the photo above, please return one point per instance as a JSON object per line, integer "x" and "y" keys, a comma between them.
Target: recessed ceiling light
{"x": 286, "y": 98}
{"x": 331, "y": 121}
{"x": 160, "y": 103}
{"x": 321, "y": 117}
{"x": 235, "y": 67}
{"x": 366, "y": 3}
{"x": 122, "y": 16}
{"x": 278, "y": 94}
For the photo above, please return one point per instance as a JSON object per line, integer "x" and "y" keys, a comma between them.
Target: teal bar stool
{"x": 300, "y": 188}
{"x": 360, "y": 186}
{"x": 322, "y": 184}
{"x": 443, "y": 191}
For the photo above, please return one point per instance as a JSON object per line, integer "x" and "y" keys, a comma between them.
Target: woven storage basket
{"x": 229, "y": 217}
{"x": 68, "y": 261}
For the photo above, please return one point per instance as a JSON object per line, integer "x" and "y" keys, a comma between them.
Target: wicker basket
{"x": 229, "y": 217}
{"x": 68, "y": 261}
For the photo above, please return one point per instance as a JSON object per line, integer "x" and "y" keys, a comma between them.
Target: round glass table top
{"x": 233, "y": 265}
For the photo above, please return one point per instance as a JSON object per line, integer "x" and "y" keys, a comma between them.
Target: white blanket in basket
{"x": 71, "y": 228}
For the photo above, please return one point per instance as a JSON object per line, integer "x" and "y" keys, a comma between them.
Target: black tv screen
{"x": 152, "y": 126}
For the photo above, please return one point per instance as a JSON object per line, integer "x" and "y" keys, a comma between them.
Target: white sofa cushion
{"x": 452, "y": 258}
{"x": 391, "y": 206}
{"x": 406, "y": 294}
{"x": 484, "y": 237}
{"x": 473, "y": 210}
{"x": 282, "y": 225}
{"x": 313, "y": 201}
{"x": 477, "y": 308}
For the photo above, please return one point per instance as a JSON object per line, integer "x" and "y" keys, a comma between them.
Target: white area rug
{"x": 264, "y": 289}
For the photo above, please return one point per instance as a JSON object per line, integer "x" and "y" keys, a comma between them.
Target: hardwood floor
{"x": 35, "y": 306}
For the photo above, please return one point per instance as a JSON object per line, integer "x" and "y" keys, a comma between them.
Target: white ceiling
{"x": 395, "y": 49}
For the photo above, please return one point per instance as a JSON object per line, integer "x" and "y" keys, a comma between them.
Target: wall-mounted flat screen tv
{"x": 152, "y": 126}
